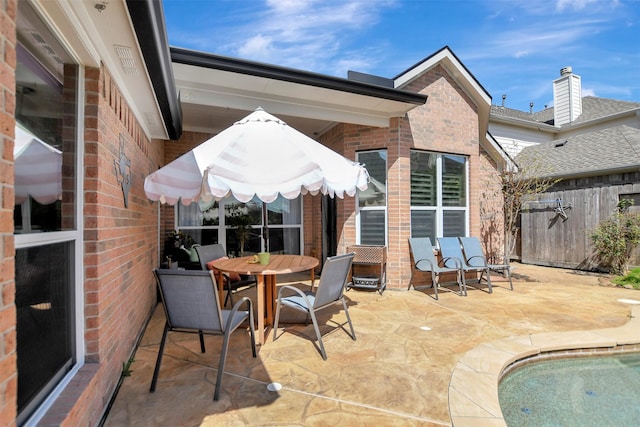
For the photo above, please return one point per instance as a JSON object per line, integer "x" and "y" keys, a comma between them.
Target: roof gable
{"x": 454, "y": 66}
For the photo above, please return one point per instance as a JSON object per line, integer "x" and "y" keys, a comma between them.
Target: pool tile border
{"x": 473, "y": 390}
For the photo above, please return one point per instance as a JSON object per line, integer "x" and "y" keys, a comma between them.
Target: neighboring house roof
{"x": 593, "y": 108}
{"x": 603, "y": 152}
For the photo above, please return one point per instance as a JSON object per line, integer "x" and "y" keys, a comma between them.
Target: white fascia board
{"x": 497, "y": 152}
{"x": 542, "y": 127}
{"x": 455, "y": 68}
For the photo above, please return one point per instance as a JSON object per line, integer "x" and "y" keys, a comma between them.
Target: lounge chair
{"x": 474, "y": 256}
{"x": 232, "y": 283}
{"x": 425, "y": 260}
{"x": 191, "y": 304}
{"x": 330, "y": 290}
{"x": 451, "y": 250}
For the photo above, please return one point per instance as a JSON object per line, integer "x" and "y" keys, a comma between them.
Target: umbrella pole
{"x": 265, "y": 227}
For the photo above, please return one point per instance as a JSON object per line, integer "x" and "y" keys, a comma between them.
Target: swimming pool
{"x": 580, "y": 391}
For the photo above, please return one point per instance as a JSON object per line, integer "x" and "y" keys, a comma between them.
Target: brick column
{"x": 8, "y": 367}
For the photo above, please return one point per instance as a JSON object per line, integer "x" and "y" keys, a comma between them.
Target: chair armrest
{"x": 236, "y": 308}
{"x": 291, "y": 288}
{"x": 424, "y": 260}
{"x": 457, "y": 262}
{"x": 297, "y": 291}
{"x": 472, "y": 261}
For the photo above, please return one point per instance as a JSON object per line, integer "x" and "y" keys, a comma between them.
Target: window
{"x": 438, "y": 195}
{"x": 240, "y": 226}
{"x": 372, "y": 203}
{"x": 47, "y": 260}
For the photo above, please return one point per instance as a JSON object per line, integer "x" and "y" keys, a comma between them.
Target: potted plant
{"x": 241, "y": 222}
{"x": 180, "y": 246}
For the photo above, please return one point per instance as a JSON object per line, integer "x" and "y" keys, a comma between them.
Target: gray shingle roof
{"x": 592, "y": 108}
{"x": 589, "y": 154}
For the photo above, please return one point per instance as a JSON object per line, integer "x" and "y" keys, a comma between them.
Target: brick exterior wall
{"x": 8, "y": 374}
{"x": 447, "y": 123}
{"x": 120, "y": 250}
{"x": 491, "y": 204}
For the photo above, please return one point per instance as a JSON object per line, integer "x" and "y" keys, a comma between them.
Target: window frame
{"x": 222, "y": 227}
{"x": 384, "y": 208}
{"x": 439, "y": 208}
{"x": 35, "y": 410}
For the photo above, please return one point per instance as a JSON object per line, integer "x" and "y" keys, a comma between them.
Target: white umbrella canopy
{"x": 260, "y": 156}
{"x": 38, "y": 169}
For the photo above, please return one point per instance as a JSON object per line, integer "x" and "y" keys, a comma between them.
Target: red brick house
{"x": 97, "y": 85}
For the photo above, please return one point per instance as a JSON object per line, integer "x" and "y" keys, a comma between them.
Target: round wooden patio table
{"x": 266, "y": 279}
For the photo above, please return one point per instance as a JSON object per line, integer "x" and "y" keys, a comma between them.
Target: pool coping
{"x": 473, "y": 389}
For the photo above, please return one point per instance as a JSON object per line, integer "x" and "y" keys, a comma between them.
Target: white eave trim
{"x": 446, "y": 58}
{"x": 217, "y": 88}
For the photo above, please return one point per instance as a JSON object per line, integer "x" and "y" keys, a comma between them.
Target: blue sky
{"x": 512, "y": 47}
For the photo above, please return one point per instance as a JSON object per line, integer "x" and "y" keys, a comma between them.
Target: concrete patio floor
{"x": 399, "y": 370}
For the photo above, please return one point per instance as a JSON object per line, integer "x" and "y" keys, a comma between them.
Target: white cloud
{"x": 588, "y": 92}
{"x": 572, "y": 4}
{"x": 258, "y": 47}
{"x": 536, "y": 38}
{"x": 307, "y": 34}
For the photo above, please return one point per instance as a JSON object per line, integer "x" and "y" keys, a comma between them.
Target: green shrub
{"x": 632, "y": 279}
{"x": 615, "y": 238}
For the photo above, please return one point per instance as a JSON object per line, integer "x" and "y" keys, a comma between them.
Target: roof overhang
{"x": 97, "y": 33}
{"x": 604, "y": 119}
{"x": 498, "y": 153}
{"x": 529, "y": 124}
{"x": 215, "y": 91}
{"x": 147, "y": 17}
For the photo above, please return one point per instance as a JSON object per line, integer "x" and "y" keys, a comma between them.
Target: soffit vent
{"x": 37, "y": 37}
{"x": 44, "y": 46}
{"x": 127, "y": 60}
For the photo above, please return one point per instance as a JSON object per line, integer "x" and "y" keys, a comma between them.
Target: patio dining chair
{"x": 425, "y": 260}
{"x": 474, "y": 256}
{"x": 232, "y": 282}
{"x": 191, "y": 304}
{"x": 451, "y": 249}
{"x": 330, "y": 290}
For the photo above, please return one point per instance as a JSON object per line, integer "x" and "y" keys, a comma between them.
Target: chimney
{"x": 567, "y": 97}
{"x": 504, "y": 99}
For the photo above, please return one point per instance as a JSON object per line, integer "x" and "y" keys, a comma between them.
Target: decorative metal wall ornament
{"x": 123, "y": 172}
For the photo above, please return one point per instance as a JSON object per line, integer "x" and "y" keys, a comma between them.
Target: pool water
{"x": 582, "y": 391}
